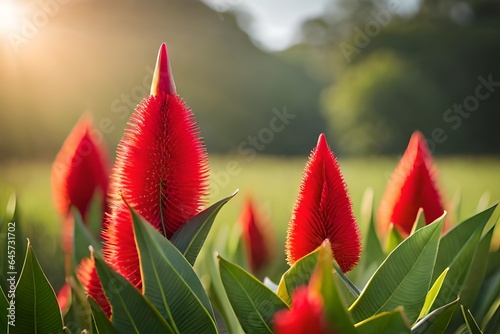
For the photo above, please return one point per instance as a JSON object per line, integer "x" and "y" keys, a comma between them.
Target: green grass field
{"x": 272, "y": 182}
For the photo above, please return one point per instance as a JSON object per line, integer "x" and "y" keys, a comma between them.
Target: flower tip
{"x": 163, "y": 81}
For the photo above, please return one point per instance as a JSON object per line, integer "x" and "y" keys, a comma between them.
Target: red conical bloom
{"x": 412, "y": 186}
{"x": 161, "y": 170}
{"x": 256, "y": 242}
{"x": 64, "y": 298}
{"x": 305, "y": 316}
{"x": 80, "y": 168}
{"x": 322, "y": 211}
{"x": 87, "y": 275}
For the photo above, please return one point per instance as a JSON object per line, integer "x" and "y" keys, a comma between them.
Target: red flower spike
{"x": 80, "y": 168}
{"x": 161, "y": 170}
{"x": 322, "y": 211}
{"x": 305, "y": 316}
{"x": 64, "y": 298}
{"x": 87, "y": 275}
{"x": 412, "y": 186}
{"x": 256, "y": 242}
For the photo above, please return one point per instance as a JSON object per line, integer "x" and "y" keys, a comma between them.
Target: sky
{"x": 275, "y": 24}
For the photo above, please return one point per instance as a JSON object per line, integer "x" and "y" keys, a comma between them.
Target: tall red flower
{"x": 323, "y": 210}
{"x": 255, "y": 240}
{"x": 412, "y": 186}
{"x": 305, "y": 316}
{"x": 161, "y": 170}
{"x": 80, "y": 169}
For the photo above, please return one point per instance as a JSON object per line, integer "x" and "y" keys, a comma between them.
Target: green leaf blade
{"x": 37, "y": 309}
{"x": 253, "y": 302}
{"x": 170, "y": 282}
{"x": 132, "y": 313}
{"x": 403, "y": 279}
{"x": 189, "y": 239}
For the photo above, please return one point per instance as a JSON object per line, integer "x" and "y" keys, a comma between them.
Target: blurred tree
{"x": 397, "y": 71}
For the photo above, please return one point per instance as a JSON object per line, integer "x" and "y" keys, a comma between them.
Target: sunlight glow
{"x": 10, "y": 15}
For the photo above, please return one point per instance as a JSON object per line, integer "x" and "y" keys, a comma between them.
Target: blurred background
{"x": 263, "y": 78}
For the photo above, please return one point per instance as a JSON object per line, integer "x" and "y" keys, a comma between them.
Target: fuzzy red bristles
{"x": 412, "y": 186}
{"x": 323, "y": 210}
{"x": 256, "y": 242}
{"x": 80, "y": 169}
{"x": 87, "y": 275}
{"x": 161, "y": 170}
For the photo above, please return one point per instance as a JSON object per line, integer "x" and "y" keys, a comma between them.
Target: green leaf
{"x": 323, "y": 282}
{"x": 394, "y": 238}
{"x": 470, "y": 321}
{"x": 4, "y": 304}
{"x": 191, "y": 236}
{"x": 132, "y": 312}
{"x": 403, "y": 279}
{"x": 477, "y": 270}
{"x": 253, "y": 303}
{"x": 494, "y": 322}
{"x": 37, "y": 309}
{"x": 82, "y": 239}
{"x": 437, "y": 321}
{"x": 488, "y": 296}
{"x": 353, "y": 289}
{"x": 299, "y": 274}
{"x": 432, "y": 294}
{"x": 456, "y": 251}
{"x": 419, "y": 222}
{"x": 95, "y": 213}
{"x": 385, "y": 322}
{"x": 373, "y": 254}
{"x": 170, "y": 282}
{"x": 100, "y": 322}
{"x": 77, "y": 318}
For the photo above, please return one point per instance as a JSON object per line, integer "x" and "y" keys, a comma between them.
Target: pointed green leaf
{"x": 323, "y": 282}
{"x": 437, "y": 321}
{"x": 470, "y": 321}
{"x": 453, "y": 242}
{"x": 37, "y": 309}
{"x": 432, "y": 294}
{"x": 488, "y": 296}
{"x": 385, "y": 322}
{"x": 82, "y": 239}
{"x": 404, "y": 278}
{"x": 191, "y": 236}
{"x": 394, "y": 238}
{"x": 170, "y": 282}
{"x": 218, "y": 295}
{"x": 132, "y": 313}
{"x": 298, "y": 275}
{"x": 419, "y": 222}
{"x": 456, "y": 251}
{"x": 477, "y": 271}
{"x": 253, "y": 303}
{"x": 100, "y": 322}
